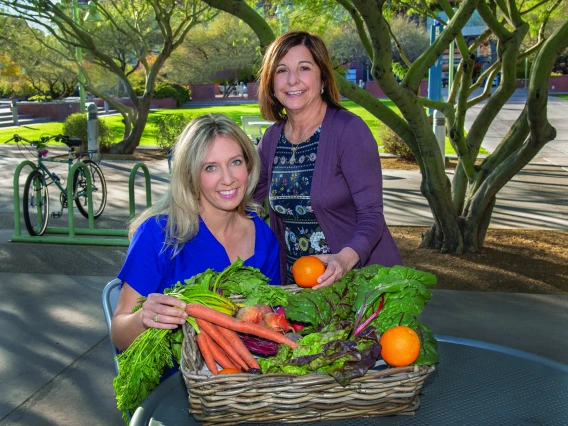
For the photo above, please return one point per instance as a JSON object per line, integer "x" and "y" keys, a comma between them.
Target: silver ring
{"x": 155, "y": 317}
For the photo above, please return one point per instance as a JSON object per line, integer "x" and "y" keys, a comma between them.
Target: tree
{"x": 145, "y": 27}
{"x": 47, "y": 75}
{"x": 462, "y": 208}
{"x": 222, "y": 45}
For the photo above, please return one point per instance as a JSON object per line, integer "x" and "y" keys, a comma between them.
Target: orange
{"x": 230, "y": 371}
{"x": 400, "y": 346}
{"x": 306, "y": 271}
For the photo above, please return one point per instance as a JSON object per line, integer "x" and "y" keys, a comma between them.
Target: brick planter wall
{"x": 557, "y": 84}
{"x": 56, "y": 111}
{"x": 560, "y": 84}
{"x": 252, "y": 90}
{"x": 203, "y": 92}
{"x": 158, "y": 103}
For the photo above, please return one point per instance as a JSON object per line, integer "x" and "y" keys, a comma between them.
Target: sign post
{"x": 435, "y": 72}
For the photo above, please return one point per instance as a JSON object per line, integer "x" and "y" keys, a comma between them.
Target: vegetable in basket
{"x": 142, "y": 364}
{"x": 344, "y": 322}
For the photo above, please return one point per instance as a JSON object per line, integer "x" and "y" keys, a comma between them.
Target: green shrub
{"x": 168, "y": 128}
{"x": 39, "y": 98}
{"x": 75, "y": 126}
{"x": 394, "y": 145}
{"x": 172, "y": 90}
{"x": 139, "y": 90}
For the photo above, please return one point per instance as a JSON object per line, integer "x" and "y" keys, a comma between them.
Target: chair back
{"x": 253, "y": 131}
{"x": 110, "y": 299}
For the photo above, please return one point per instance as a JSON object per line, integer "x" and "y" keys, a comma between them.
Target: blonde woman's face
{"x": 297, "y": 81}
{"x": 223, "y": 177}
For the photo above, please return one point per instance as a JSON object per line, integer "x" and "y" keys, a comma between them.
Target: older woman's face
{"x": 297, "y": 81}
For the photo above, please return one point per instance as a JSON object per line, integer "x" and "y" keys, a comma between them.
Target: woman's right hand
{"x": 163, "y": 311}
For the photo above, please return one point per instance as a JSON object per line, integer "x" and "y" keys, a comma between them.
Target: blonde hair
{"x": 181, "y": 201}
{"x": 270, "y": 106}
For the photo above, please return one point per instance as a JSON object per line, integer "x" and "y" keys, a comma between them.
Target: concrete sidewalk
{"x": 55, "y": 359}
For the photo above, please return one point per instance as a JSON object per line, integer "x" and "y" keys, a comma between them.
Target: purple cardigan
{"x": 346, "y": 192}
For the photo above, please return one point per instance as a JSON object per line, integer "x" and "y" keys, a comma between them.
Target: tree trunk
{"x": 131, "y": 142}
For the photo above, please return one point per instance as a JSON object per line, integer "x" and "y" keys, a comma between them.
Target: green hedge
{"x": 172, "y": 90}
{"x": 168, "y": 128}
{"x": 75, "y": 126}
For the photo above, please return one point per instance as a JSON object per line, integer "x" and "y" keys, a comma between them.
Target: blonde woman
{"x": 207, "y": 219}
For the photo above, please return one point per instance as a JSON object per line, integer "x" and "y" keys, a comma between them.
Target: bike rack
{"x": 71, "y": 230}
{"x": 131, "y": 203}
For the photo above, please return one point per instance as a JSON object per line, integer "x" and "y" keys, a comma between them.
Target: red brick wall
{"x": 203, "y": 92}
{"x": 160, "y": 103}
{"x": 56, "y": 111}
{"x": 373, "y": 88}
{"x": 560, "y": 84}
{"x": 164, "y": 103}
{"x": 252, "y": 90}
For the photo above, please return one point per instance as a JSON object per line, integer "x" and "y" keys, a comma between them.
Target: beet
{"x": 251, "y": 314}
{"x": 258, "y": 345}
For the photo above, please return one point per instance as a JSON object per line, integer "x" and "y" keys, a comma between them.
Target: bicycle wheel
{"x": 98, "y": 185}
{"x": 36, "y": 204}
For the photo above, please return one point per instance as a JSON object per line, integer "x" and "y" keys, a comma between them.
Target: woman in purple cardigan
{"x": 320, "y": 165}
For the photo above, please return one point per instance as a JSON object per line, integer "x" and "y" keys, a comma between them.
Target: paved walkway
{"x": 55, "y": 360}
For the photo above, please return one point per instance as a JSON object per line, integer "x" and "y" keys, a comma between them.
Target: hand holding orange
{"x": 400, "y": 346}
{"x": 306, "y": 271}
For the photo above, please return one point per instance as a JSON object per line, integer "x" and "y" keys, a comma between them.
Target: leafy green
{"x": 405, "y": 295}
{"x": 140, "y": 368}
{"x": 245, "y": 281}
{"x": 142, "y": 365}
{"x": 334, "y": 350}
{"x": 369, "y": 300}
{"x": 322, "y": 306}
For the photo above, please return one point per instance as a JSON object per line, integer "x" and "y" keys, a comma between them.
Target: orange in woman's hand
{"x": 400, "y": 346}
{"x": 306, "y": 271}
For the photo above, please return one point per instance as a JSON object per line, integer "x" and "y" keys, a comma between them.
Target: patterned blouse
{"x": 290, "y": 198}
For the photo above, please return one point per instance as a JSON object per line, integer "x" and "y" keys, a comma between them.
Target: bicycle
{"x": 36, "y": 194}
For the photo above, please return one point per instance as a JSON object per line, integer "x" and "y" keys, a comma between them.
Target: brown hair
{"x": 270, "y": 106}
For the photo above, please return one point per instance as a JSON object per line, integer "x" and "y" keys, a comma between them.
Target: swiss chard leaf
{"x": 334, "y": 350}
{"x": 322, "y": 306}
{"x": 368, "y": 350}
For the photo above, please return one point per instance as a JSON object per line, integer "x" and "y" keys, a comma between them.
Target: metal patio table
{"x": 475, "y": 383}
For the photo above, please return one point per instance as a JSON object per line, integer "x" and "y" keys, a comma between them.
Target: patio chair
{"x": 110, "y": 299}
{"x": 253, "y": 131}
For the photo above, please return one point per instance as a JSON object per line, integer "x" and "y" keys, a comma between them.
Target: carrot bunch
{"x": 218, "y": 340}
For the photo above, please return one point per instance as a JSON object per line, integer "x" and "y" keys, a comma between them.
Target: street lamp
{"x": 91, "y": 16}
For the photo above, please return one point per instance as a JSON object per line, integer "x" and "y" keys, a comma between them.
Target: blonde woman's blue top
{"x": 149, "y": 268}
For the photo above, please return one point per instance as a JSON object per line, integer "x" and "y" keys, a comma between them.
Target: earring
{"x": 321, "y": 92}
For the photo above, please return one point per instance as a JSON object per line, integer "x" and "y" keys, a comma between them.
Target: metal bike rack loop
{"x": 71, "y": 230}
{"x": 131, "y": 201}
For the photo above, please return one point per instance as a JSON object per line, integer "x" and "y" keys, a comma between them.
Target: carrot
{"x": 239, "y": 346}
{"x": 206, "y": 353}
{"x": 203, "y": 312}
{"x": 215, "y": 335}
{"x": 219, "y": 354}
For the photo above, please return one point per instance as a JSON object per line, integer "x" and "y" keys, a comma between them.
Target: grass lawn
{"x": 148, "y": 138}
{"x": 562, "y": 95}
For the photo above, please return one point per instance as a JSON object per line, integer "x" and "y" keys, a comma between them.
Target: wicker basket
{"x": 288, "y": 398}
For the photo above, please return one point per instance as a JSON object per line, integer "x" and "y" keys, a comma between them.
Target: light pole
{"x": 92, "y": 16}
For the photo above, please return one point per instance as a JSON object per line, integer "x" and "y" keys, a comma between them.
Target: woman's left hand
{"x": 336, "y": 266}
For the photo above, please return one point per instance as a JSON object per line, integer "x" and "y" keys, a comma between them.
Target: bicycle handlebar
{"x": 70, "y": 142}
